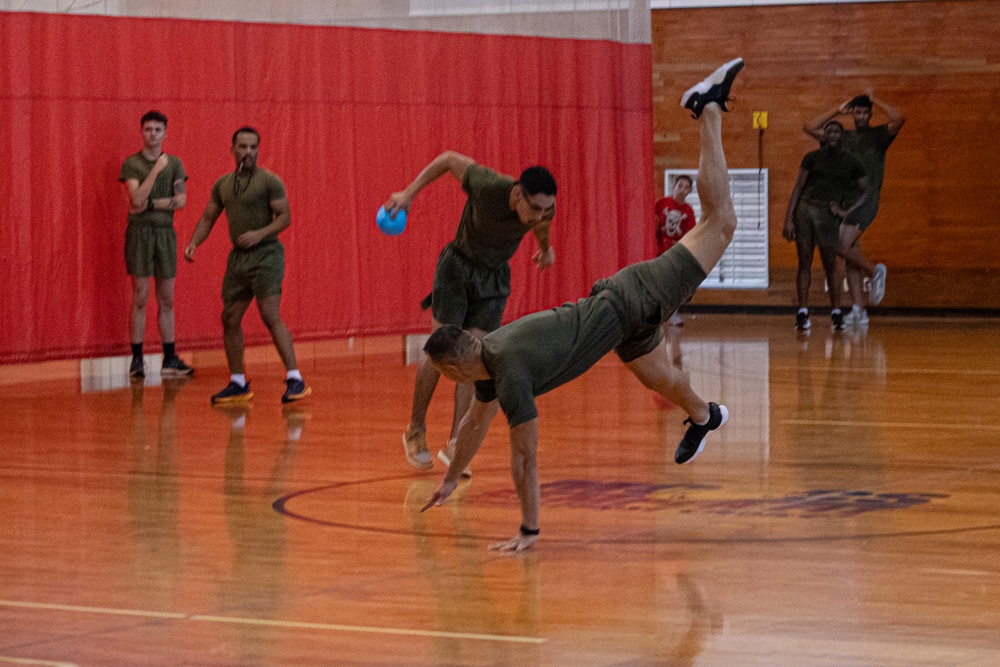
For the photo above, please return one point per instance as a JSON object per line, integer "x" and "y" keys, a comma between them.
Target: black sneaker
{"x": 137, "y": 369}
{"x": 295, "y": 390}
{"x": 713, "y": 89}
{"x": 233, "y": 393}
{"x": 802, "y": 322}
{"x": 175, "y": 368}
{"x": 694, "y": 440}
{"x": 837, "y": 321}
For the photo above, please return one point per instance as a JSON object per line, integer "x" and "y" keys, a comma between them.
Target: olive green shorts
{"x": 816, "y": 225}
{"x": 647, "y": 293}
{"x": 468, "y": 294}
{"x": 150, "y": 251}
{"x": 254, "y": 272}
{"x": 865, "y": 215}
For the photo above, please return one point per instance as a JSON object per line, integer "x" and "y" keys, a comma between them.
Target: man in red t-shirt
{"x": 674, "y": 218}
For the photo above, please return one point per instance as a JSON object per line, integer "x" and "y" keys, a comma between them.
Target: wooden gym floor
{"x": 849, "y": 514}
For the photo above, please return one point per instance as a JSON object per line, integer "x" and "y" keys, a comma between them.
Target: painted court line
{"x": 38, "y": 663}
{"x": 332, "y": 627}
{"x": 943, "y": 427}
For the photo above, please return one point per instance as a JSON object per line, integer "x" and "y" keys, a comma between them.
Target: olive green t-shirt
{"x": 541, "y": 351}
{"x": 833, "y": 174}
{"x": 248, "y": 209}
{"x": 870, "y": 146}
{"x": 138, "y": 167}
{"x": 489, "y": 231}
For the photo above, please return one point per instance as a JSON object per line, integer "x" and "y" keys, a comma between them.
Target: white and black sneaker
{"x": 694, "y": 440}
{"x": 802, "y": 322}
{"x": 713, "y": 89}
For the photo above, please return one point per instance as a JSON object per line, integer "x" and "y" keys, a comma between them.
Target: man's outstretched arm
{"x": 524, "y": 470}
{"x": 448, "y": 162}
{"x": 471, "y": 433}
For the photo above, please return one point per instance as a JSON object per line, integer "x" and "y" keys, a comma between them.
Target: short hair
{"x": 862, "y": 101}
{"x": 153, "y": 115}
{"x": 684, "y": 177}
{"x": 536, "y": 180}
{"x": 833, "y": 122}
{"x": 448, "y": 344}
{"x": 245, "y": 128}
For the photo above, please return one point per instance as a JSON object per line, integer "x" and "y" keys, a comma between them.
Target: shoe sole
{"x": 412, "y": 461}
{"x": 230, "y": 400}
{"x": 716, "y": 78}
{"x": 701, "y": 445}
{"x": 445, "y": 459}
{"x": 296, "y": 397}
{"x": 174, "y": 373}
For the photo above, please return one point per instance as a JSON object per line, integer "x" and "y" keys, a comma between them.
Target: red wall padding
{"x": 347, "y": 116}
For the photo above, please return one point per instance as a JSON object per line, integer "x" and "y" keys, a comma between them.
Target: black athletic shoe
{"x": 175, "y": 368}
{"x": 837, "y": 321}
{"x": 233, "y": 393}
{"x": 295, "y": 390}
{"x": 802, "y": 322}
{"x": 694, "y": 440}
{"x": 137, "y": 369}
{"x": 713, "y": 89}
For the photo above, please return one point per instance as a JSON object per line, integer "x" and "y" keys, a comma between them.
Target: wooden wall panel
{"x": 939, "y": 62}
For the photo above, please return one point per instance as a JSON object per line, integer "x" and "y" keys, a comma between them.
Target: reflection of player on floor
{"x": 257, "y": 210}
{"x": 540, "y": 352}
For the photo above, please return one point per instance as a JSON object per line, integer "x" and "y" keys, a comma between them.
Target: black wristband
{"x": 529, "y": 532}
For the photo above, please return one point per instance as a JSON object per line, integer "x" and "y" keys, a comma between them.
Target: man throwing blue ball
{"x": 539, "y": 352}
{"x": 472, "y": 278}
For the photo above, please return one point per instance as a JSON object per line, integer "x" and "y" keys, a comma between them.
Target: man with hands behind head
{"x": 868, "y": 144}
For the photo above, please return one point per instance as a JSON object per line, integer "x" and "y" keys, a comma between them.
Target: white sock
{"x": 293, "y": 374}
{"x": 239, "y": 378}
{"x": 835, "y": 311}
{"x": 804, "y": 310}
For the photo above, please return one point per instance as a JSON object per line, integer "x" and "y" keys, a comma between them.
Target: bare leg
{"x": 714, "y": 231}
{"x": 140, "y": 297}
{"x": 165, "y": 308}
{"x": 803, "y": 278}
{"x": 829, "y": 258}
{"x": 855, "y": 283}
{"x": 656, "y": 372}
{"x": 232, "y": 334}
{"x": 851, "y": 251}
{"x": 270, "y": 313}
{"x": 423, "y": 391}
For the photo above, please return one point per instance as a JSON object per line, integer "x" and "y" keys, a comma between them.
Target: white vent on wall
{"x": 744, "y": 264}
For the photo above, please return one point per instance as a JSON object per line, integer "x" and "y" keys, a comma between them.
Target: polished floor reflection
{"x": 849, "y": 514}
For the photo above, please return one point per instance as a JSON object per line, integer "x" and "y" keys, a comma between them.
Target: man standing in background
{"x": 674, "y": 219}
{"x": 868, "y": 144}
{"x": 256, "y": 207}
{"x": 155, "y": 188}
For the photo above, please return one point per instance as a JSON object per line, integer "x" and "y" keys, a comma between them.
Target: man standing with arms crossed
{"x": 472, "y": 278}
{"x": 539, "y": 352}
{"x": 155, "y": 188}
{"x": 257, "y": 210}
{"x": 868, "y": 144}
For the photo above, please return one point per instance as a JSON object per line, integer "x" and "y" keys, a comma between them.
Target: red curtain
{"x": 347, "y": 116}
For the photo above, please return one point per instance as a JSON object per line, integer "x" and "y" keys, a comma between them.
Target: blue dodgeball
{"x": 393, "y": 226}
